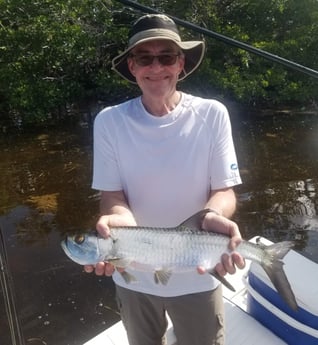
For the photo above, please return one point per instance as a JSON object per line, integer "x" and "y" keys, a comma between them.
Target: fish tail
{"x": 273, "y": 266}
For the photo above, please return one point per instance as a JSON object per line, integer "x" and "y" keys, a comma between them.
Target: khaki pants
{"x": 197, "y": 318}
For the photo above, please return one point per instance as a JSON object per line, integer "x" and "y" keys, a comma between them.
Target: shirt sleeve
{"x": 224, "y": 165}
{"x": 106, "y": 175}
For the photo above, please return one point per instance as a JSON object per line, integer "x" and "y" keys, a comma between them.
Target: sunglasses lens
{"x": 144, "y": 60}
{"x": 164, "y": 59}
{"x": 167, "y": 59}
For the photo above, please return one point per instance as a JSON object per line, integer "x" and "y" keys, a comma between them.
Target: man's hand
{"x": 220, "y": 224}
{"x": 103, "y": 225}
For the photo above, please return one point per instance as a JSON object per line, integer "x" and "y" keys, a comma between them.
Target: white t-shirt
{"x": 166, "y": 167}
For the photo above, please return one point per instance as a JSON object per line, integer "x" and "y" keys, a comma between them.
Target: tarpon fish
{"x": 181, "y": 248}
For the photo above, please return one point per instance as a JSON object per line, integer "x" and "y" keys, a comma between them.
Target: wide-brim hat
{"x": 159, "y": 27}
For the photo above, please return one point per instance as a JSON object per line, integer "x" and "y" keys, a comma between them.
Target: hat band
{"x": 155, "y": 34}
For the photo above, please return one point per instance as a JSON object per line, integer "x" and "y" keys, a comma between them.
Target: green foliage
{"x": 57, "y": 52}
{"x": 287, "y": 28}
{"x": 54, "y": 53}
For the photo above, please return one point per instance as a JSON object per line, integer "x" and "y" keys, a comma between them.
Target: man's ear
{"x": 181, "y": 62}
{"x": 131, "y": 65}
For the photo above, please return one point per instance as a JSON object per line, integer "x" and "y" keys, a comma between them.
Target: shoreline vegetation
{"x": 55, "y": 62}
{"x": 83, "y": 117}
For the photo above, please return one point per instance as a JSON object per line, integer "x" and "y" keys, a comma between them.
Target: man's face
{"x": 156, "y": 76}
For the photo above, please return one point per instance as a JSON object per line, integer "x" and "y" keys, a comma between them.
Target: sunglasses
{"x": 164, "y": 59}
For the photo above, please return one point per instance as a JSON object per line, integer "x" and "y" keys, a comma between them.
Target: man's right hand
{"x": 103, "y": 228}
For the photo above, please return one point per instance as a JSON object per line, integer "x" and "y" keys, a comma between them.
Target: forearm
{"x": 222, "y": 201}
{"x": 115, "y": 203}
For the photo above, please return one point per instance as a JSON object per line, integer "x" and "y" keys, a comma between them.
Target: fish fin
{"x": 119, "y": 262}
{"x": 162, "y": 276}
{"x": 216, "y": 275}
{"x": 123, "y": 263}
{"x": 276, "y": 274}
{"x": 195, "y": 221}
{"x": 128, "y": 277}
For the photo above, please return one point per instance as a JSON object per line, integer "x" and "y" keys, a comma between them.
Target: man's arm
{"x": 114, "y": 211}
{"x": 223, "y": 203}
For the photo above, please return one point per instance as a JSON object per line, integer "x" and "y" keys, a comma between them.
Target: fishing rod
{"x": 8, "y": 294}
{"x": 269, "y": 56}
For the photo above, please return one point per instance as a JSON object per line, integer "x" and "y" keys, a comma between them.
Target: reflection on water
{"x": 57, "y": 302}
{"x": 278, "y": 199}
{"x": 45, "y": 192}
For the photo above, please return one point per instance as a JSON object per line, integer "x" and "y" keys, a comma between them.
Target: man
{"x": 158, "y": 159}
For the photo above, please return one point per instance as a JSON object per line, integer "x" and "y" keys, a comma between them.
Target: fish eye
{"x": 79, "y": 239}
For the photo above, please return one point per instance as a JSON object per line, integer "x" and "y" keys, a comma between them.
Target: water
{"x": 45, "y": 192}
{"x": 278, "y": 158}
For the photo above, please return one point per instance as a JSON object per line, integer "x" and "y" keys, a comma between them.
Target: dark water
{"x": 45, "y": 192}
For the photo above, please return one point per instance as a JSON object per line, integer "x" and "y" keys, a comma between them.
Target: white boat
{"x": 245, "y": 306}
